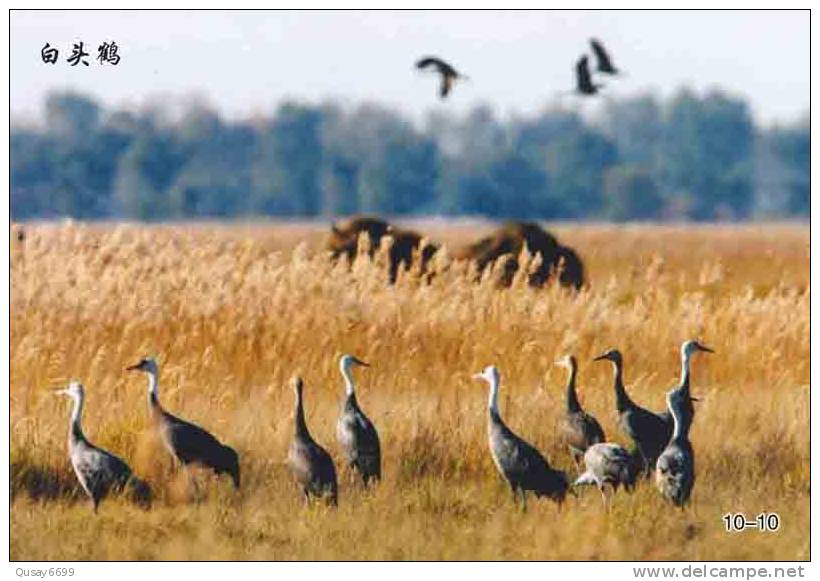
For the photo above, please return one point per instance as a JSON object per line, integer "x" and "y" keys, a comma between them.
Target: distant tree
{"x": 707, "y": 154}
{"x": 630, "y": 193}
{"x": 792, "y": 146}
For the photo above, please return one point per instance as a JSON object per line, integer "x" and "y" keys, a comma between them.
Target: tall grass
{"x": 233, "y": 312}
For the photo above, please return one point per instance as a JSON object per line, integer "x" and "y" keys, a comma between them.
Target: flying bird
{"x": 602, "y": 56}
{"x": 584, "y": 84}
{"x": 447, "y": 72}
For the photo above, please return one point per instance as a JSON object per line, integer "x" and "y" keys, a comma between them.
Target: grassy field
{"x": 232, "y": 312}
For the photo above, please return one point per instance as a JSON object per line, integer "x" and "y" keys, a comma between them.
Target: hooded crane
{"x": 523, "y": 467}
{"x": 187, "y": 442}
{"x": 356, "y": 433}
{"x": 675, "y": 469}
{"x": 646, "y": 429}
{"x": 310, "y": 464}
{"x": 584, "y": 84}
{"x": 608, "y": 464}
{"x": 602, "y": 56}
{"x": 447, "y": 72}
{"x": 98, "y": 471}
{"x": 580, "y": 429}
{"x": 687, "y": 350}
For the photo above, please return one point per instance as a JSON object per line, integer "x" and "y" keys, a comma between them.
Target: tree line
{"x": 688, "y": 157}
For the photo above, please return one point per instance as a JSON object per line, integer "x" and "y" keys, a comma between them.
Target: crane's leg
{"x": 514, "y": 494}
{"x": 523, "y": 499}
{"x": 307, "y": 496}
{"x": 192, "y": 481}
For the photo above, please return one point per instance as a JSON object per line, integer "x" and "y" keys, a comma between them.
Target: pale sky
{"x": 245, "y": 62}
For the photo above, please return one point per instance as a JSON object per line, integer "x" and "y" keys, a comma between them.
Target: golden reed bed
{"x": 233, "y": 311}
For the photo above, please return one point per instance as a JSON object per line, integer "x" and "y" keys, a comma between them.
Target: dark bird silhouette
{"x": 584, "y": 84}
{"x": 310, "y": 464}
{"x": 580, "y": 430}
{"x": 647, "y": 429}
{"x": 356, "y": 433}
{"x": 519, "y": 463}
{"x": 675, "y": 468}
{"x": 98, "y": 471}
{"x": 687, "y": 350}
{"x": 447, "y": 72}
{"x": 602, "y": 56}
{"x": 187, "y": 442}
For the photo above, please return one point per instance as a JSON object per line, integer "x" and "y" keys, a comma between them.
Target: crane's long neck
{"x": 623, "y": 401}
{"x": 350, "y": 387}
{"x": 492, "y": 403}
{"x": 299, "y": 416}
{"x": 75, "y": 429}
{"x": 153, "y": 390}
{"x": 680, "y": 432}
{"x": 684, "y": 371}
{"x": 573, "y": 405}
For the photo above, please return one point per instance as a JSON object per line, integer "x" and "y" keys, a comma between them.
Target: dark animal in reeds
{"x": 406, "y": 247}
{"x": 510, "y": 239}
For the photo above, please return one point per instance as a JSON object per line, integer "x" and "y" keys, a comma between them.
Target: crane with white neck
{"x": 579, "y": 429}
{"x": 519, "y": 463}
{"x": 100, "y": 472}
{"x": 357, "y": 435}
{"x": 188, "y": 443}
{"x": 675, "y": 468}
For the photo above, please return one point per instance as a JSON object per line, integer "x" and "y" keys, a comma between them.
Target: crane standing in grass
{"x": 675, "y": 468}
{"x": 519, "y": 463}
{"x": 98, "y": 471}
{"x": 187, "y": 442}
{"x": 687, "y": 350}
{"x": 647, "y": 429}
{"x": 356, "y": 433}
{"x": 310, "y": 464}
{"x": 608, "y": 464}
{"x": 580, "y": 430}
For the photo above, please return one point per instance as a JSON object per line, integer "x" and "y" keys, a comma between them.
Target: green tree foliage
{"x": 691, "y": 157}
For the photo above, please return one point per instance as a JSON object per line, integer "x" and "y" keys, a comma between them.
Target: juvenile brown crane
{"x": 310, "y": 464}
{"x": 357, "y": 435}
{"x": 518, "y": 462}
{"x": 99, "y": 472}
{"x": 448, "y": 74}
{"x": 187, "y": 442}
{"x": 646, "y": 429}
{"x": 675, "y": 468}
{"x": 580, "y": 430}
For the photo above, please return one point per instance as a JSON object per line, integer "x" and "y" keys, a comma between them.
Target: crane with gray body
{"x": 608, "y": 464}
{"x": 188, "y": 443}
{"x": 687, "y": 350}
{"x": 357, "y": 435}
{"x": 675, "y": 468}
{"x": 519, "y": 463}
{"x": 99, "y": 471}
{"x": 579, "y": 429}
{"x": 310, "y": 464}
{"x": 645, "y": 428}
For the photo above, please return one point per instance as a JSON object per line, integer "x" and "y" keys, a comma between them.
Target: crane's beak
{"x": 360, "y": 362}
{"x": 135, "y": 367}
{"x": 601, "y": 357}
{"x": 478, "y": 376}
{"x": 694, "y": 398}
{"x": 705, "y": 348}
{"x": 60, "y": 392}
